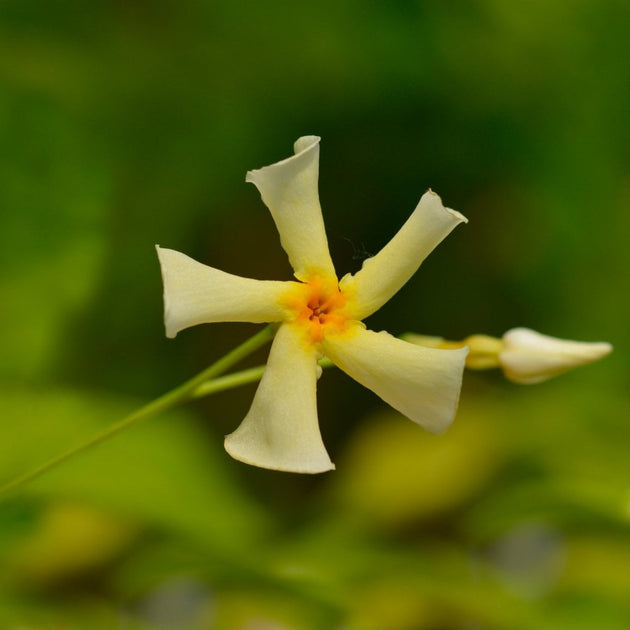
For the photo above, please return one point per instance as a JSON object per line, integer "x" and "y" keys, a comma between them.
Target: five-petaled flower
{"x": 319, "y": 315}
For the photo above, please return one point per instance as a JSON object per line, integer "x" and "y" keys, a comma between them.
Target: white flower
{"x": 524, "y": 355}
{"x": 319, "y": 316}
{"x": 530, "y": 357}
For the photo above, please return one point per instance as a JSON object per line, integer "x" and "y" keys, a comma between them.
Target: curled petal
{"x": 384, "y": 274}
{"x": 197, "y": 294}
{"x": 281, "y": 430}
{"x": 422, "y": 383}
{"x": 289, "y": 190}
{"x": 530, "y": 357}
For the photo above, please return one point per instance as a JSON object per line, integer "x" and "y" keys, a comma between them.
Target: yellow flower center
{"x": 318, "y": 307}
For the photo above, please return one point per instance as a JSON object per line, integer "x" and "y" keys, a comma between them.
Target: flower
{"x": 524, "y": 355}
{"x": 528, "y": 356}
{"x": 319, "y": 316}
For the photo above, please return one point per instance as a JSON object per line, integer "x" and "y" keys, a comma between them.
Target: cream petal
{"x": 422, "y": 383}
{"x": 384, "y": 274}
{"x": 529, "y": 357}
{"x": 289, "y": 190}
{"x": 281, "y": 430}
{"x": 197, "y": 294}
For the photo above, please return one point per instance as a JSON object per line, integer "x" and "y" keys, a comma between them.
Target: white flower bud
{"x": 529, "y": 357}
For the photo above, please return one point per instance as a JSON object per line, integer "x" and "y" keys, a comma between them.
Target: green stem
{"x": 183, "y": 393}
{"x": 229, "y": 381}
{"x": 244, "y": 377}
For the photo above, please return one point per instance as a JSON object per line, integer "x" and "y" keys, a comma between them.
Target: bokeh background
{"x": 129, "y": 123}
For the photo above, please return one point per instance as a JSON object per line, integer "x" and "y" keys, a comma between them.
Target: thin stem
{"x": 244, "y": 377}
{"x": 484, "y": 351}
{"x": 176, "y": 396}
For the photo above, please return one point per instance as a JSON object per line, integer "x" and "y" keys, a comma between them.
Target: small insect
{"x": 358, "y": 253}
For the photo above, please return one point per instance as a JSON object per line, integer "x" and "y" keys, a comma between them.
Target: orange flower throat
{"x": 318, "y": 307}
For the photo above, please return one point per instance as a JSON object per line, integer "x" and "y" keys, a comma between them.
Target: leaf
{"x": 162, "y": 473}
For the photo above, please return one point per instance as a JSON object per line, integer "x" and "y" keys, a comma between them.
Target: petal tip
{"x": 458, "y": 215}
{"x": 459, "y": 354}
{"x": 169, "y": 330}
{"x": 432, "y": 197}
{"x": 604, "y": 348}
{"x": 250, "y": 176}
{"x": 241, "y": 451}
{"x": 443, "y": 427}
{"x": 301, "y": 145}
{"x": 304, "y": 143}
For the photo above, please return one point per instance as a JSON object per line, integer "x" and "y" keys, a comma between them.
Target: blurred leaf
{"x": 598, "y": 564}
{"x": 427, "y": 582}
{"x": 53, "y": 195}
{"x": 80, "y": 613}
{"x": 395, "y": 473}
{"x": 266, "y": 610}
{"x": 70, "y": 541}
{"x": 569, "y": 462}
{"x": 161, "y": 473}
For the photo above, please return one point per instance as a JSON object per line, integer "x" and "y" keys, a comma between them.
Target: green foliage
{"x": 127, "y": 124}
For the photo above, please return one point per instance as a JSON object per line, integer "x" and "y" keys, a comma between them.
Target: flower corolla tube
{"x": 319, "y": 316}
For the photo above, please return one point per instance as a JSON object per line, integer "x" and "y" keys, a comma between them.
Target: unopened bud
{"x": 529, "y": 357}
{"x": 524, "y": 355}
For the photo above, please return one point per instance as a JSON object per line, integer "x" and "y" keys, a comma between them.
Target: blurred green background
{"x": 129, "y": 123}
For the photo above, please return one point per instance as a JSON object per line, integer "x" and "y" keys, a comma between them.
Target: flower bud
{"x": 529, "y": 357}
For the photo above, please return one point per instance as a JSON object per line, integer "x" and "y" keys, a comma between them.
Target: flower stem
{"x": 244, "y": 377}
{"x": 229, "y": 381}
{"x": 183, "y": 393}
{"x": 483, "y": 352}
